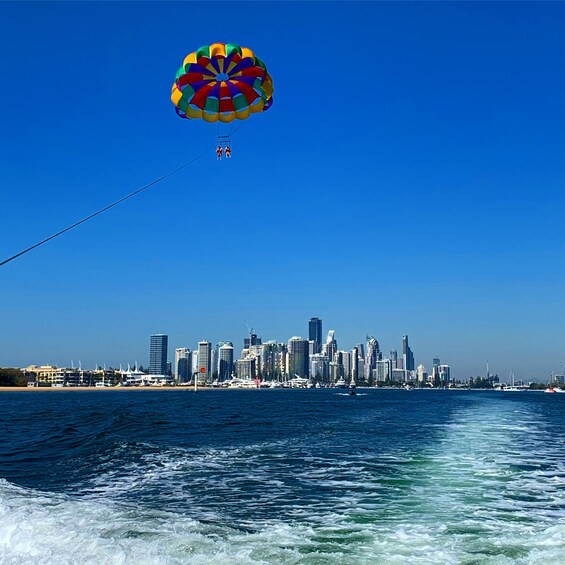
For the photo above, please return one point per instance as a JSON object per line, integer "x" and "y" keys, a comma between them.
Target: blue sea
{"x": 282, "y": 476}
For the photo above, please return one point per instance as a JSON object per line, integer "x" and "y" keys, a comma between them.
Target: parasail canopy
{"x": 222, "y": 82}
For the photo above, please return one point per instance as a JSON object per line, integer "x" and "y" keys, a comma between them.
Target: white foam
{"x": 488, "y": 490}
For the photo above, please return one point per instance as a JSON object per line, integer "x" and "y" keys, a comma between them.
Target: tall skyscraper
{"x": 330, "y": 347}
{"x": 422, "y": 374}
{"x": 194, "y": 363}
{"x": 319, "y": 367}
{"x": 394, "y": 358}
{"x": 182, "y": 364}
{"x": 204, "y": 362}
{"x": 298, "y": 357}
{"x": 373, "y": 355}
{"x": 444, "y": 375}
{"x": 346, "y": 364}
{"x": 384, "y": 370}
{"x": 407, "y": 355}
{"x": 225, "y": 362}
{"x": 158, "y": 354}
{"x": 247, "y": 368}
{"x": 355, "y": 364}
{"x": 315, "y": 333}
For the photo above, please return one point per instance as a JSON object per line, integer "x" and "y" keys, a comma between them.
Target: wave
{"x": 489, "y": 488}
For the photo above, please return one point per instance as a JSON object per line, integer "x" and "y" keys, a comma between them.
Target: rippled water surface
{"x": 282, "y": 476}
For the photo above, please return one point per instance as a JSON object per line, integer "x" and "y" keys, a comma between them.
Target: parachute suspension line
{"x": 102, "y": 210}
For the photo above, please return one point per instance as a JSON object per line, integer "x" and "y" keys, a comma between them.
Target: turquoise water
{"x": 282, "y": 476}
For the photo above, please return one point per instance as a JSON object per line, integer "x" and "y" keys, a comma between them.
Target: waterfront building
{"x": 399, "y": 375}
{"x": 270, "y": 356}
{"x": 345, "y": 359}
{"x": 158, "y": 354}
{"x": 384, "y": 370}
{"x": 422, "y": 374}
{"x": 334, "y": 371}
{"x": 43, "y": 373}
{"x": 394, "y": 358}
{"x": 444, "y": 375}
{"x": 246, "y": 368}
{"x": 225, "y": 361}
{"x": 102, "y": 377}
{"x": 407, "y": 355}
{"x": 315, "y": 333}
{"x": 319, "y": 368}
{"x": 330, "y": 347}
{"x": 373, "y": 355}
{"x": 255, "y": 352}
{"x": 204, "y": 362}
{"x": 214, "y": 363}
{"x": 297, "y": 357}
{"x": 354, "y": 368}
{"x": 194, "y": 363}
{"x": 182, "y": 364}
{"x": 281, "y": 364}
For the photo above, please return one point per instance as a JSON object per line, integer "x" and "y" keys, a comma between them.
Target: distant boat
{"x": 298, "y": 382}
{"x": 340, "y": 383}
{"x": 241, "y": 383}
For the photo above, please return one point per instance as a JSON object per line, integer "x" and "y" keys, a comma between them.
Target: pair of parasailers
{"x": 225, "y": 150}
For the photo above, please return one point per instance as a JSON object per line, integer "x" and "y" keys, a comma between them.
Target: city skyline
{"x": 428, "y": 204}
{"x": 222, "y": 359}
{"x": 142, "y": 355}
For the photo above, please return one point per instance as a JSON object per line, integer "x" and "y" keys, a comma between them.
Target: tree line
{"x": 12, "y": 377}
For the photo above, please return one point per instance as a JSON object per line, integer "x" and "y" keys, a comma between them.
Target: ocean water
{"x": 282, "y": 476}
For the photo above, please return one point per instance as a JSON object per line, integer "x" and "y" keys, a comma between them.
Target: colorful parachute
{"x": 224, "y": 82}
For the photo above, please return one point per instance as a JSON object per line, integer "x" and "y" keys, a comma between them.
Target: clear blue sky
{"x": 407, "y": 180}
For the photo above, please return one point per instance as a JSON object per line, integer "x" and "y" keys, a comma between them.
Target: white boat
{"x": 242, "y": 383}
{"x": 299, "y": 382}
{"x": 340, "y": 383}
{"x": 275, "y": 384}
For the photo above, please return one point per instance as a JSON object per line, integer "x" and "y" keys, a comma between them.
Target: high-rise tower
{"x": 225, "y": 361}
{"x": 373, "y": 355}
{"x": 407, "y": 355}
{"x": 315, "y": 333}
{"x": 298, "y": 357}
{"x": 158, "y": 354}
{"x": 183, "y": 369}
{"x": 330, "y": 347}
{"x": 204, "y": 361}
